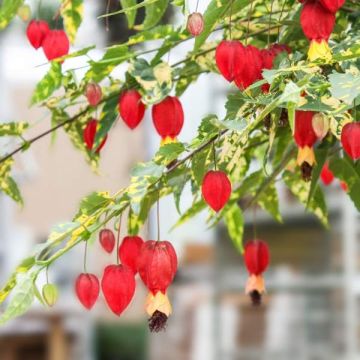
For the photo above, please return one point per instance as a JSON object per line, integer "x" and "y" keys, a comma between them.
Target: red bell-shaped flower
{"x": 107, "y": 240}
{"x": 89, "y": 135}
{"x": 157, "y": 265}
{"x": 229, "y": 58}
{"x": 332, "y": 5}
{"x": 56, "y": 44}
{"x": 317, "y": 24}
{"x": 131, "y": 108}
{"x": 305, "y": 138}
{"x": 87, "y": 289}
{"x": 251, "y": 68}
{"x": 256, "y": 257}
{"x": 216, "y": 189}
{"x": 36, "y": 32}
{"x": 326, "y": 175}
{"x": 350, "y": 140}
{"x": 93, "y": 93}
{"x": 195, "y": 24}
{"x": 129, "y": 251}
{"x": 118, "y": 287}
{"x": 168, "y": 118}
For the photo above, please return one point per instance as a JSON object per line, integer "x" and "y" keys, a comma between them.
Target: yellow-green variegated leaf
{"x": 7, "y": 183}
{"x": 154, "y": 11}
{"x": 72, "y": 13}
{"x": 130, "y": 14}
{"x": 13, "y": 128}
{"x": 8, "y": 10}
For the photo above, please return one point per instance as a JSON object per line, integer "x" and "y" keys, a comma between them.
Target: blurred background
{"x": 310, "y": 311}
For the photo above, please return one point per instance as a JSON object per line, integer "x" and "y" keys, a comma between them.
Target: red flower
{"x": 56, "y": 44}
{"x": 332, "y": 5}
{"x": 344, "y": 186}
{"x": 326, "y": 175}
{"x": 129, "y": 251}
{"x": 195, "y": 24}
{"x": 168, "y": 118}
{"x": 256, "y": 259}
{"x": 87, "y": 289}
{"x": 131, "y": 108}
{"x": 107, "y": 240}
{"x": 350, "y": 140}
{"x": 229, "y": 58}
{"x": 157, "y": 265}
{"x": 118, "y": 287}
{"x": 89, "y": 135}
{"x": 36, "y": 32}
{"x": 216, "y": 189}
{"x": 93, "y": 94}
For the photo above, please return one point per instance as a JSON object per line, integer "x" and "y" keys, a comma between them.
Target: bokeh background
{"x": 311, "y": 311}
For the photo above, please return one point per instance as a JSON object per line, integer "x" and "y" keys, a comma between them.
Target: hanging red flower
{"x": 93, "y": 93}
{"x": 157, "y": 265}
{"x": 89, "y": 135}
{"x": 118, "y": 287}
{"x": 107, "y": 240}
{"x": 305, "y": 139}
{"x": 250, "y": 70}
{"x": 327, "y": 175}
{"x": 56, "y": 44}
{"x": 216, "y": 189}
{"x": 256, "y": 257}
{"x": 332, "y": 5}
{"x": 229, "y": 58}
{"x": 129, "y": 251}
{"x": 168, "y": 118}
{"x": 36, "y": 32}
{"x": 131, "y": 108}
{"x": 317, "y": 24}
{"x": 195, "y": 24}
{"x": 350, "y": 140}
{"x": 87, "y": 289}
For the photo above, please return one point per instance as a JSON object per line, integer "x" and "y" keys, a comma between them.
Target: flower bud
{"x": 320, "y": 125}
{"x": 50, "y": 294}
{"x": 24, "y": 12}
{"x": 93, "y": 93}
{"x": 195, "y": 24}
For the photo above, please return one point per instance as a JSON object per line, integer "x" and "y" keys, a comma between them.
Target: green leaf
{"x": 169, "y": 152}
{"x": 234, "y": 221}
{"x": 194, "y": 209}
{"x": 72, "y": 13}
{"x": 345, "y": 87}
{"x": 130, "y": 14}
{"x": 153, "y": 14}
{"x": 48, "y": 84}
{"x": 8, "y": 10}
{"x": 269, "y": 201}
{"x": 291, "y": 93}
{"x": 94, "y": 202}
{"x": 13, "y": 128}
{"x": 301, "y": 190}
{"x": 7, "y": 183}
{"x": 198, "y": 165}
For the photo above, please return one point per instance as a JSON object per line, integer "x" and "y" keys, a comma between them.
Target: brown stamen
{"x": 306, "y": 171}
{"x": 284, "y": 118}
{"x": 158, "y": 321}
{"x": 267, "y": 122}
{"x": 255, "y": 297}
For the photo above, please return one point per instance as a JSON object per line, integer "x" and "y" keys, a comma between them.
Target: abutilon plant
{"x": 93, "y": 93}
{"x": 305, "y": 139}
{"x": 129, "y": 251}
{"x": 195, "y": 24}
{"x": 89, "y": 135}
{"x": 36, "y": 32}
{"x": 131, "y": 108}
{"x": 317, "y": 24}
{"x": 257, "y": 258}
{"x": 168, "y": 119}
{"x": 350, "y": 140}
{"x": 107, "y": 240}
{"x": 55, "y": 44}
{"x": 87, "y": 289}
{"x": 157, "y": 265}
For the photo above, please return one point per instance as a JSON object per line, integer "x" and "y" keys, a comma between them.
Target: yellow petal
{"x": 306, "y": 154}
{"x": 168, "y": 140}
{"x": 159, "y": 302}
{"x": 319, "y": 50}
{"x": 255, "y": 283}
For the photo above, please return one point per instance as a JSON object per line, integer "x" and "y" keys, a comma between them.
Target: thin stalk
{"x": 118, "y": 240}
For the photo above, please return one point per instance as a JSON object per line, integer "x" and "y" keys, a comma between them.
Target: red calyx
{"x": 129, "y": 251}
{"x": 56, "y": 44}
{"x": 87, "y": 289}
{"x": 118, "y": 287}
{"x": 326, "y": 175}
{"x": 36, "y": 32}
{"x": 195, "y": 24}
{"x": 107, "y": 240}
{"x": 256, "y": 257}
{"x": 89, "y": 135}
{"x": 131, "y": 108}
{"x": 316, "y": 21}
{"x": 157, "y": 265}
{"x": 168, "y": 117}
{"x": 304, "y": 132}
{"x": 229, "y": 58}
{"x": 332, "y": 5}
{"x": 350, "y": 140}
{"x": 216, "y": 189}
{"x": 93, "y": 94}
{"x": 250, "y": 70}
